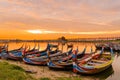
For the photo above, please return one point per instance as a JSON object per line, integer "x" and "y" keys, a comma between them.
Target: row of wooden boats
{"x": 115, "y": 46}
{"x": 80, "y": 62}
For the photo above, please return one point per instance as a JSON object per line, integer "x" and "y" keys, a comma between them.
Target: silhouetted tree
{"x": 62, "y": 38}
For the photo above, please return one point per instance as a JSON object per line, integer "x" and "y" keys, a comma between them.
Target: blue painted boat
{"x": 18, "y": 54}
{"x": 41, "y": 59}
{"x": 63, "y": 62}
{"x": 93, "y": 64}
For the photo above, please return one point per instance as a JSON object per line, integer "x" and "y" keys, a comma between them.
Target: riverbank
{"x": 14, "y": 70}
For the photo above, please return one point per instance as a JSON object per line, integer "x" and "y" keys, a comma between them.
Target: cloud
{"x": 68, "y": 32}
{"x": 58, "y": 25}
{"x": 60, "y": 15}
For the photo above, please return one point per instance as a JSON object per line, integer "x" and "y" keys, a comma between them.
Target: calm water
{"x": 113, "y": 73}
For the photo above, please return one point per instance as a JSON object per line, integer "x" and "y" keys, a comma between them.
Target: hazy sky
{"x": 64, "y": 17}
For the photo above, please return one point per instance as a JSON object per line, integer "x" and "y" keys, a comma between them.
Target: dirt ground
{"x": 44, "y": 71}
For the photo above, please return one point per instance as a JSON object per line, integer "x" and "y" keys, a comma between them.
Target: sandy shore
{"x": 44, "y": 71}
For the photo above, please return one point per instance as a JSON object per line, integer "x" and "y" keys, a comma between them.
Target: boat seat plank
{"x": 99, "y": 61}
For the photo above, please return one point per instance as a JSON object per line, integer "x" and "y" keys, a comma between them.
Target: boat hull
{"x": 81, "y": 70}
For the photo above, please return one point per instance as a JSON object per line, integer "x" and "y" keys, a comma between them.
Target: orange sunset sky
{"x": 50, "y": 19}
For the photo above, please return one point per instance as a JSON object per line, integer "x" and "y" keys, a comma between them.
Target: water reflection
{"x": 111, "y": 73}
{"x": 118, "y": 54}
{"x": 43, "y": 45}
{"x": 116, "y": 67}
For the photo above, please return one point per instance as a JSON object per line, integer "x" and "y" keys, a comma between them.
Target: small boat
{"x": 93, "y": 64}
{"x": 115, "y": 46}
{"x": 42, "y": 60}
{"x": 34, "y": 61}
{"x": 14, "y": 54}
{"x": 43, "y": 52}
{"x": 17, "y": 54}
{"x": 63, "y": 62}
{"x": 34, "y": 50}
{"x": 3, "y": 50}
{"x": 4, "y": 46}
{"x": 99, "y": 47}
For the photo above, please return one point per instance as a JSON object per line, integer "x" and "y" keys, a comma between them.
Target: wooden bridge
{"x": 68, "y": 40}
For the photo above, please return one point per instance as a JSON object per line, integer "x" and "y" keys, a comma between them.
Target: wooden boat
{"x": 14, "y": 54}
{"x": 3, "y": 50}
{"x": 57, "y": 54}
{"x": 93, "y": 64}
{"x": 99, "y": 47}
{"x": 115, "y": 46}
{"x": 17, "y": 55}
{"x": 32, "y": 61}
{"x": 5, "y": 54}
{"x": 32, "y": 51}
{"x": 4, "y": 46}
{"x": 43, "y": 52}
{"x": 42, "y": 60}
{"x": 63, "y": 62}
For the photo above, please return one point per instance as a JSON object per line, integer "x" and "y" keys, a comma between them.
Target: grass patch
{"x": 13, "y": 72}
{"x": 45, "y": 78}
